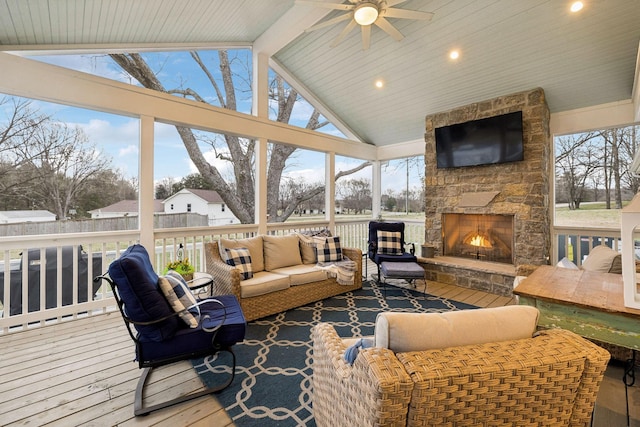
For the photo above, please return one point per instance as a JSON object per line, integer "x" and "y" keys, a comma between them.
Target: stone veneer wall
{"x": 522, "y": 187}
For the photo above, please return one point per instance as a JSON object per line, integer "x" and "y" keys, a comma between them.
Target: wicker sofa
{"x": 505, "y": 376}
{"x": 285, "y": 276}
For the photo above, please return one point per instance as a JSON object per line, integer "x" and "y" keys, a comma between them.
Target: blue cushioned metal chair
{"x": 391, "y": 246}
{"x": 161, "y": 337}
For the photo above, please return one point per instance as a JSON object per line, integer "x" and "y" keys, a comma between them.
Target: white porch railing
{"x": 47, "y": 279}
{"x": 576, "y": 243}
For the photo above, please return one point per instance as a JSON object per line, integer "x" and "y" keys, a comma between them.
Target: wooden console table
{"x": 591, "y": 304}
{"x": 585, "y": 302}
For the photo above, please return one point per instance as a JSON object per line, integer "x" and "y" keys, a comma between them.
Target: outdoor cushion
{"x": 389, "y": 242}
{"x": 404, "y": 257}
{"x": 137, "y": 284}
{"x": 403, "y": 332}
{"x": 308, "y": 240}
{"x": 281, "y": 251}
{"x": 180, "y": 298}
{"x": 330, "y": 251}
{"x": 188, "y": 340}
{"x": 603, "y": 259}
{"x": 255, "y": 246}
{"x": 240, "y": 258}
{"x": 262, "y": 283}
{"x": 302, "y": 274}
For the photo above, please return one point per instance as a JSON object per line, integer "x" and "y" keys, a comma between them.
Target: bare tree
{"x": 21, "y": 123}
{"x": 237, "y": 194}
{"x": 356, "y": 194}
{"x": 611, "y": 164}
{"x": 60, "y": 160}
{"x": 628, "y": 150}
{"x": 577, "y": 157}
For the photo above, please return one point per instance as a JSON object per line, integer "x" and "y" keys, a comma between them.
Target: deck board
{"x": 81, "y": 372}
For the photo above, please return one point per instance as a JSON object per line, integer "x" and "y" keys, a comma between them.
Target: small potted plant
{"x": 181, "y": 266}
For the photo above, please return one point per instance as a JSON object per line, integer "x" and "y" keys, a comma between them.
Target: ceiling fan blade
{"x": 407, "y": 14}
{"x": 388, "y": 28}
{"x": 329, "y": 22}
{"x": 337, "y": 6}
{"x": 344, "y": 33}
{"x": 366, "y": 36}
{"x": 391, "y": 3}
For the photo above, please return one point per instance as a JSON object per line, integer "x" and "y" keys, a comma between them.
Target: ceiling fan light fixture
{"x": 365, "y": 13}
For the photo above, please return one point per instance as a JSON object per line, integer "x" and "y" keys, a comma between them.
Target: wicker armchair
{"x": 550, "y": 379}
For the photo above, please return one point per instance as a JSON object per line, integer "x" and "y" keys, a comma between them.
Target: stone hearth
{"x": 519, "y": 190}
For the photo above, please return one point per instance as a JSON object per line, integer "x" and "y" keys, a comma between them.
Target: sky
{"x": 118, "y": 136}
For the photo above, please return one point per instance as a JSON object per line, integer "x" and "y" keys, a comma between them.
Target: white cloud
{"x": 128, "y": 151}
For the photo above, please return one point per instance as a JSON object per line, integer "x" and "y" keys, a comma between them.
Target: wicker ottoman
{"x": 409, "y": 271}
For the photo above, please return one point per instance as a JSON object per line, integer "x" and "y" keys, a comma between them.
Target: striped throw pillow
{"x": 180, "y": 297}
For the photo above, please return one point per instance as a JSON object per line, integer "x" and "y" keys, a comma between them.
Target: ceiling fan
{"x": 366, "y": 13}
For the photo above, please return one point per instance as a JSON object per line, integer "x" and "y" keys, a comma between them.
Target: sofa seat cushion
{"x": 281, "y": 251}
{"x": 255, "y": 246}
{"x": 302, "y": 274}
{"x": 262, "y": 283}
{"x": 403, "y": 332}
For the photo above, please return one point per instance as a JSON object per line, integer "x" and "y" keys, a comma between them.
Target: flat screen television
{"x": 487, "y": 141}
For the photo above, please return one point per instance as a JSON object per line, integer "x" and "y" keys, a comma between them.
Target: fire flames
{"x": 479, "y": 241}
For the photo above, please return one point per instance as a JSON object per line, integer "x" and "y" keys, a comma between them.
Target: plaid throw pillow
{"x": 180, "y": 298}
{"x": 330, "y": 251}
{"x": 240, "y": 258}
{"x": 389, "y": 242}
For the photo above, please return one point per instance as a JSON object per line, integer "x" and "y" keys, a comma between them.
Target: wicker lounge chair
{"x": 551, "y": 378}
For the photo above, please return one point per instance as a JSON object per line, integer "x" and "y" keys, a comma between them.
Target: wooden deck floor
{"x": 81, "y": 373}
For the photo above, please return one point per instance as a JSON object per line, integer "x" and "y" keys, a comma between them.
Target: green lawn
{"x": 589, "y": 215}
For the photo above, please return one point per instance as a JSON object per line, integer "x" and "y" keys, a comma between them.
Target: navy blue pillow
{"x": 137, "y": 285}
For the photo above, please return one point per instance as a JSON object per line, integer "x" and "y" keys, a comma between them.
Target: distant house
{"x": 204, "y": 202}
{"x": 12, "y": 217}
{"x": 123, "y": 208}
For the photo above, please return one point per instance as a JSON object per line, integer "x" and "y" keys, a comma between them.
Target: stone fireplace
{"x": 458, "y": 200}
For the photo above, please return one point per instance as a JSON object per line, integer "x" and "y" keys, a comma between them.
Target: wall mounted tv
{"x": 487, "y": 141}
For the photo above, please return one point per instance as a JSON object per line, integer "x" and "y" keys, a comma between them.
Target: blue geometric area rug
{"x": 273, "y": 386}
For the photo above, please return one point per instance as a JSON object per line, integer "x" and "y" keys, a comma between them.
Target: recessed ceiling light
{"x": 379, "y": 84}
{"x": 576, "y": 6}
{"x": 454, "y": 54}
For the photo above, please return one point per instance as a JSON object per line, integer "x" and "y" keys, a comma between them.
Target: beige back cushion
{"x": 603, "y": 259}
{"x": 402, "y": 332}
{"x": 281, "y": 251}
{"x": 255, "y": 246}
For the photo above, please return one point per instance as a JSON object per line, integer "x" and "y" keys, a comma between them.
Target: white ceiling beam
{"x": 635, "y": 94}
{"x": 288, "y": 27}
{"x": 87, "y": 49}
{"x": 32, "y": 79}
{"x": 401, "y": 150}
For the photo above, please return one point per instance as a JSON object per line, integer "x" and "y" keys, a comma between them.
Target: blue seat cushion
{"x": 191, "y": 343}
{"x": 137, "y": 286}
{"x": 404, "y": 257}
{"x": 402, "y": 270}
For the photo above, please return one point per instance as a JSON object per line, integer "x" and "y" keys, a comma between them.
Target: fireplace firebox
{"x": 485, "y": 237}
